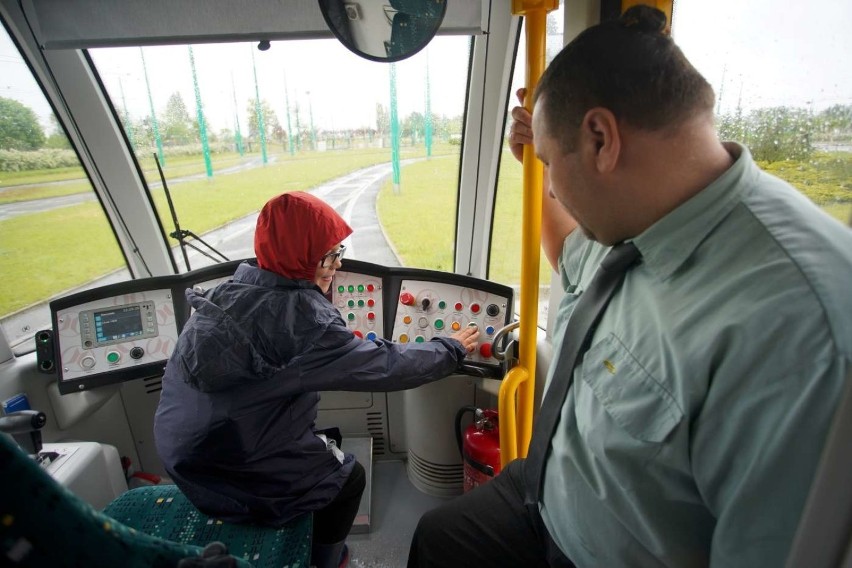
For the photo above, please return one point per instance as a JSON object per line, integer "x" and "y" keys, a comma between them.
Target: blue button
{"x": 489, "y": 330}
{"x": 371, "y": 336}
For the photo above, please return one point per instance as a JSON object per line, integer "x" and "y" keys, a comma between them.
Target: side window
{"x": 784, "y": 91}
{"x": 234, "y": 126}
{"x": 504, "y": 263}
{"x": 54, "y": 236}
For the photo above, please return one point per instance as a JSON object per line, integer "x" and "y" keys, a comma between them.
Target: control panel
{"x": 358, "y": 297}
{"x": 126, "y": 331}
{"x": 431, "y": 309}
{"x": 127, "y": 334}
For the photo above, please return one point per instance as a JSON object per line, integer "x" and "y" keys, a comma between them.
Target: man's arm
{"x": 556, "y": 223}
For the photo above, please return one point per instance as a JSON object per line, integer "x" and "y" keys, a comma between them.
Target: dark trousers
{"x": 333, "y": 522}
{"x": 489, "y": 526}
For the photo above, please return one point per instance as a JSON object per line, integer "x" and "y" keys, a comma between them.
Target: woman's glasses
{"x": 329, "y": 259}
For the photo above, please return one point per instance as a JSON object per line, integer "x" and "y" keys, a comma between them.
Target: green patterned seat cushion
{"x": 163, "y": 511}
{"x": 44, "y": 524}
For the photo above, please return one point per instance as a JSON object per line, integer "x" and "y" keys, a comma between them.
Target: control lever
{"x": 25, "y": 427}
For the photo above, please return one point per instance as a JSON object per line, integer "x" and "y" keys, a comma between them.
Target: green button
{"x": 351, "y": 288}
{"x": 442, "y": 304}
{"x": 360, "y": 287}
{"x": 419, "y": 339}
{"x": 351, "y": 303}
{"x": 341, "y": 289}
{"x": 351, "y": 316}
{"x": 113, "y": 357}
{"x": 360, "y": 303}
{"x": 439, "y": 324}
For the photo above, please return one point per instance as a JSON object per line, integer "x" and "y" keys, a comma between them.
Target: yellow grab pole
{"x": 516, "y": 413}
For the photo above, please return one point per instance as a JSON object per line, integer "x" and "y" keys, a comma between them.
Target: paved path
{"x": 353, "y": 196}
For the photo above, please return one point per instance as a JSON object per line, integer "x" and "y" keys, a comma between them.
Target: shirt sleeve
{"x": 341, "y": 361}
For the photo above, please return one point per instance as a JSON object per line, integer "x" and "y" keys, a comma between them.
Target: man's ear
{"x": 602, "y": 139}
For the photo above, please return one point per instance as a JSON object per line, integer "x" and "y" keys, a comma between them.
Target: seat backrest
{"x": 824, "y": 536}
{"x": 44, "y": 524}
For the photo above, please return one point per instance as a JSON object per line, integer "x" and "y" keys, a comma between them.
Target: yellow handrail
{"x": 517, "y": 393}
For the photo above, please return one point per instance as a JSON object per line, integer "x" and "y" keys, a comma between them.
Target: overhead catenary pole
{"x": 313, "y": 130}
{"x": 154, "y": 126}
{"x": 290, "y": 146}
{"x": 258, "y": 110}
{"x": 394, "y": 128}
{"x": 128, "y": 126}
{"x": 238, "y": 136}
{"x": 427, "y": 126}
{"x": 199, "y": 113}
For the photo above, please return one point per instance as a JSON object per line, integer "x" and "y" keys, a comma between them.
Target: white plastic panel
{"x": 433, "y": 309}
{"x": 358, "y": 297}
{"x": 135, "y": 341}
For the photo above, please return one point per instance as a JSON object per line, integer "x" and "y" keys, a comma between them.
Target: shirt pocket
{"x": 630, "y": 397}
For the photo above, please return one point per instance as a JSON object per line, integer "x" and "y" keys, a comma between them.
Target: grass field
{"x": 419, "y": 220}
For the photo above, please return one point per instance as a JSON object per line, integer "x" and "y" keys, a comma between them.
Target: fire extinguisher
{"x": 480, "y": 446}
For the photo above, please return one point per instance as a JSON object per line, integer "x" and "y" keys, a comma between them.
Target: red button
{"x": 371, "y": 316}
{"x": 485, "y": 350}
{"x": 406, "y": 299}
{"x": 370, "y": 287}
{"x": 371, "y": 302}
{"x": 358, "y": 334}
{"x": 474, "y": 308}
{"x": 459, "y": 306}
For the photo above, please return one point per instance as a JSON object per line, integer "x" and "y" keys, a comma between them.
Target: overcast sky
{"x": 760, "y": 52}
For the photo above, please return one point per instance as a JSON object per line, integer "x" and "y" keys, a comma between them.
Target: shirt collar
{"x": 669, "y": 242}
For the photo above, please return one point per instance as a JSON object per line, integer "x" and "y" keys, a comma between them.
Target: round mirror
{"x": 384, "y": 30}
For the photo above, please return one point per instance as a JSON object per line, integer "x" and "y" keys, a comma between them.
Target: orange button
{"x": 403, "y": 338}
{"x": 456, "y": 326}
{"x": 406, "y": 319}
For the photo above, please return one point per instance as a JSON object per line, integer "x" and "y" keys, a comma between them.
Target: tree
{"x": 19, "y": 127}
{"x": 271, "y": 126}
{"x": 382, "y": 119}
{"x": 57, "y": 138}
{"x": 177, "y": 126}
{"x": 835, "y": 123}
{"x": 772, "y": 134}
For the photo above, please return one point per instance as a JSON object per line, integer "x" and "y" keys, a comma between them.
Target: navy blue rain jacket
{"x": 235, "y": 423}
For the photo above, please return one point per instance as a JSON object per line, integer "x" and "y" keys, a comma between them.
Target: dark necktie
{"x": 578, "y": 334}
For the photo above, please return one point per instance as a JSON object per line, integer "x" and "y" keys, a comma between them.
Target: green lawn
{"x": 419, "y": 220}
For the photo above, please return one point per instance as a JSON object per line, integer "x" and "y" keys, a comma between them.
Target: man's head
{"x": 629, "y": 66}
{"x": 608, "y": 110}
{"x": 298, "y": 236}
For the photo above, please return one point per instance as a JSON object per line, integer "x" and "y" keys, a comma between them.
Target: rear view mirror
{"x": 384, "y": 30}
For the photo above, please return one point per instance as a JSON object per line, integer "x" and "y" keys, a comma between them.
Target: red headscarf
{"x": 294, "y": 231}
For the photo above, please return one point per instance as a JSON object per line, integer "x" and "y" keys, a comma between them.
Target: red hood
{"x": 294, "y": 231}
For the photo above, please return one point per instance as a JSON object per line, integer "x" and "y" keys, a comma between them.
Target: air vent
{"x": 434, "y": 478}
{"x": 376, "y": 429}
{"x": 153, "y": 385}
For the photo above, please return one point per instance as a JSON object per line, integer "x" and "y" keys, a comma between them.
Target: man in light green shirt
{"x": 697, "y": 415}
{"x": 696, "y": 419}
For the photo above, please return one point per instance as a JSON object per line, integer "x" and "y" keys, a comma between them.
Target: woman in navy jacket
{"x": 235, "y": 423}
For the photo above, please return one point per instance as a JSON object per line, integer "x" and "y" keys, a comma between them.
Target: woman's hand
{"x": 467, "y": 337}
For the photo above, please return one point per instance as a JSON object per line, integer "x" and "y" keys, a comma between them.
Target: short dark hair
{"x": 630, "y": 66}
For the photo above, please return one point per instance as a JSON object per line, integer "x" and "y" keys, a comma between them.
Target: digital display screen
{"x": 117, "y": 324}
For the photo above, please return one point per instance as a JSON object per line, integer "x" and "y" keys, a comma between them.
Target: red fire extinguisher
{"x": 480, "y": 446}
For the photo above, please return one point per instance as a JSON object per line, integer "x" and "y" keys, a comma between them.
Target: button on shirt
{"x": 696, "y": 419}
